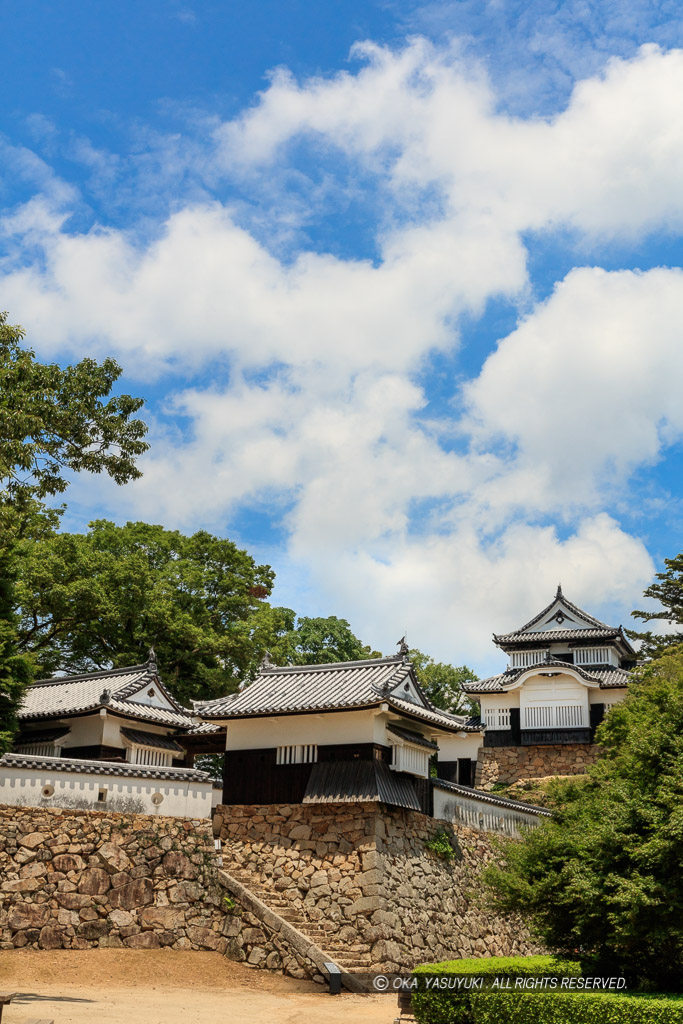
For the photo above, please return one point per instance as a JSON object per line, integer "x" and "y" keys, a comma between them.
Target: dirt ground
{"x": 164, "y": 986}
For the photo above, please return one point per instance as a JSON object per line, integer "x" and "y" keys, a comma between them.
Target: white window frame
{"x": 150, "y": 757}
{"x": 297, "y": 753}
{"x": 497, "y": 718}
{"x": 594, "y": 656}
{"x": 411, "y": 758}
{"x": 50, "y": 749}
{"x": 554, "y": 716}
{"x": 526, "y": 659}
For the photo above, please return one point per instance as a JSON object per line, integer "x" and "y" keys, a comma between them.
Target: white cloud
{"x": 588, "y": 386}
{"x": 315, "y": 406}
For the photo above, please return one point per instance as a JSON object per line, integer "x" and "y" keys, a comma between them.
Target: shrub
{"x": 440, "y": 844}
{"x": 453, "y": 1006}
{"x": 570, "y": 1008}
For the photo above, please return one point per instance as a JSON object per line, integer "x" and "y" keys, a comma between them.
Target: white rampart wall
{"x": 25, "y": 787}
{"x": 475, "y": 812}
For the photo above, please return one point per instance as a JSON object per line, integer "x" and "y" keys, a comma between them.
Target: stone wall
{"x": 510, "y": 764}
{"x": 77, "y": 879}
{"x": 365, "y": 876}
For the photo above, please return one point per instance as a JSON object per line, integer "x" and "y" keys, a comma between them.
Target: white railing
{"x": 555, "y": 716}
{"x": 497, "y": 718}
{"x": 525, "y": 659}
{"x": 39, "y": 749}
{"x": 409, "y": 758}
{"x": 594, "y": 656}
{"x": 151, "y": 755}
{"x": 299, "y": 753}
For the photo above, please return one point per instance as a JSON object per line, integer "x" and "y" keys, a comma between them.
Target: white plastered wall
{"x": 24, "y": 787}
{"x": 86, "y": 731}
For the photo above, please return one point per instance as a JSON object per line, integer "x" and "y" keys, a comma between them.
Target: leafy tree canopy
{"x": 668, "y": 590}
{"x": 605, "y": 876}
{"x": 103, "y": 598}
{"x": 443, "y": 683}
{"x": 53, "y": 420}
{"x": 313, "y": 640}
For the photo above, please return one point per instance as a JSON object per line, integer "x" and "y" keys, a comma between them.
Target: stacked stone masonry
{"x": 364, "y": 875}
{"x": 510, "y": 764}
{"x": 77, "y": 879}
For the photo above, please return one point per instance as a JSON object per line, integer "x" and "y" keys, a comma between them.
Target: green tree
{"x": 53, "y": 422}
{"x": 669, "y": 592}
{"x": 605, "y": 875}
{"x": 101, "y": 599}
{"x": 15, "y": 670}
{"x": 307, "y": 640}
{"x": 443, "y": 683}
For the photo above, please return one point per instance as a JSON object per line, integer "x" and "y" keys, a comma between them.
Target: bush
{"x": 570, "y": 1008}
{"x": 454, "y": 1006}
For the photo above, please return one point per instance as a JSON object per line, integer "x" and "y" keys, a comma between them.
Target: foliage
{"x": 669, "y": 592}
{"x": 455, "y": 1005}
{"x": 307, "y": 641}
{"x": 16, "y": 670}
{"x": 441, "y": 844}
{"x": 101, "y": 599}
{"x": 212, "y": 764}
{"x": 53, "y": 422}
{"x": 605, "y": 874}
{"x": 443, "y": 683}
{"x": 573, "y": 1008}
{"x": 507, "y": 966}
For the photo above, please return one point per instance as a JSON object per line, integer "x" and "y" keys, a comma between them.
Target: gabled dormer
{"x": 564, "y": 632}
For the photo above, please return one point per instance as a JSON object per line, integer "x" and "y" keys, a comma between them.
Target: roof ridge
{"x": 559, "y": 596}
{"x": 88, "y": 675}
{"x": 324, "y": 665}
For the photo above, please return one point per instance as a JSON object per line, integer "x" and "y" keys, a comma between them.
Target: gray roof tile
{"x": 69, "y": 695}
{"x": 608, "y": 678}
{"x": 76, "y": 765}
{"x": 334, "y": 687}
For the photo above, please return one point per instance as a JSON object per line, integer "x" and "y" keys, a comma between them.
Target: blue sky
{"x": 400, "y": 284}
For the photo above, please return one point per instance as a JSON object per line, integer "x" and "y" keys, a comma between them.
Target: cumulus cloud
{"x": 442, "y": 524}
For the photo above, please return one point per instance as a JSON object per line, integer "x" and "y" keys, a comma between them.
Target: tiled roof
{"x": 608, "y": 678}
{"x": 203, "y": 729}
{"x": 579, "y": 612}
{"x": 78, "y": 766}
{"x": 68, "y": 695}
{"x": 359, "y": 782}
{"x": 491, "y": 798}
{"x": 549, "y": 636}
{"x": 412, "y": 737}
{"x": 151, "y": 739}
{"x": 339, "y": 686}
{"x": 42, "y": 735}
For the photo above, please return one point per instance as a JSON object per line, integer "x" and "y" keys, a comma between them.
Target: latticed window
{"x": 408, "y": 757}
{"x": 554, "y": 716}
{"x": 497, "y": 718}
{"x": 525, "y": 659}
{"x": 297, "y": 753}
{"x": 38, "y": 749}
{"x": 594, "y": 656}
{"x": 150, "y": 756}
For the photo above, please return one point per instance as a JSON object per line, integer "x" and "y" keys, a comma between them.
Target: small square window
{"x": 101, "y": 796}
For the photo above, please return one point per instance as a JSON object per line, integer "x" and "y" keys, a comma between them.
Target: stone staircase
{"x": 350, "y": 958}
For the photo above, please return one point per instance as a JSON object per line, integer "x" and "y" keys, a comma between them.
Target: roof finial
{"x": 559, "y": 591}
{"x": 266, "y": 663}
{"x": 105, "y": 696}
{"x": 152, "y": 656}
{"x": 403, "y": 648}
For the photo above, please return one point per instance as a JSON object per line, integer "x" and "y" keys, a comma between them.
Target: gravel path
{"x": 164, "y": 986}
